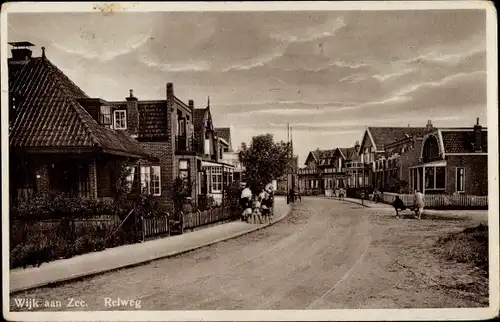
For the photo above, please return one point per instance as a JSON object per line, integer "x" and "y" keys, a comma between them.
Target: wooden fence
{"x": 202, "y": 218}
{"x": 441, "y": 201}
{"x": 155, "y": 226}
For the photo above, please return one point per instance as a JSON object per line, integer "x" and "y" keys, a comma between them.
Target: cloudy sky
{"x": 329, "y": 74}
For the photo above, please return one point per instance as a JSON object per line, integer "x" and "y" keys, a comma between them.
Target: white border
{"x": 283, "y": 315}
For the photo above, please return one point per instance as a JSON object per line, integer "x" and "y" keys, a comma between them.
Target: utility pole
{"x": 288, "y": 168}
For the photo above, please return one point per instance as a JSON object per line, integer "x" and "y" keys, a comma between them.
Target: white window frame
{"x": 456, "y": 180}
{"x": 216, "y": 173}
{"x": 155, "y": 185}
{"x": 145, "y": 172}
{"x": 116, "y": 113}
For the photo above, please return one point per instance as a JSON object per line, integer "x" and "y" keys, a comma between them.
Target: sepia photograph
{"x": 249, "y": 161}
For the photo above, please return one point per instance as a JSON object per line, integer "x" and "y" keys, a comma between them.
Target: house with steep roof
{"x": 60, "y": 139}
{"x": 184, "y": 141}
{"x": 452, "y": 161}
{"x": 326, "y": 170}
{"x": 372, "y": 151}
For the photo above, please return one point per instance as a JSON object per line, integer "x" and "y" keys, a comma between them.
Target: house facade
{"x": 60, "y": 139}
{"x": 229, "y": 156}
{"x": 184, "y": 142}
{"x": 326, "y": 170}
{"x": 373, "y": 155}
{"x": 452, "y": 161}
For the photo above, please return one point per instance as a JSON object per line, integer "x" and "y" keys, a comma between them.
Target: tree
{"x": 264, "y": 160}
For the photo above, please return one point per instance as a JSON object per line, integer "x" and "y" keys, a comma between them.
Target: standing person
{"x": 341, "y": 194}
{"x": 246, "y": 203}
{"x": 419, "y": 204}
{"x": 398, "y": 204}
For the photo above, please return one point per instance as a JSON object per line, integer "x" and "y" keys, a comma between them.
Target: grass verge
{"x": 467, "y": 246}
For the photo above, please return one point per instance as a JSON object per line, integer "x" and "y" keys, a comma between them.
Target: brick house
{"x": 452, "y": 160}
{"x": 60, "y": 139}
{"x": 355, "y": 169}
{"x": 325, "y": 170}
{"x": 183, "y": 140}
{"x": 372, "y": 151}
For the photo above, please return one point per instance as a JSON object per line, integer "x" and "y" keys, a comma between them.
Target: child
{"x": 256, "y": 210}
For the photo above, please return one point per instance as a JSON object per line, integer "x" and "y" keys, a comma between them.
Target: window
{"x": 155, "y": 181}
{"x": 317, "y": 184}
{"x": 105, "y": 115}
{"x": 120, "y": 119}
{"x": 429, "y": 178}
{"x": 184, "y": 169}
{"x": 311, "y": 184}
{"x": 460, "y": 179}
{"x": 146, "y": 180}
{"x": 131, "y": 178}
{"x": 366, "y": 180}
{"x": 440, "y": 177}
{"x": 150, "y": 180}
{"x": 216, "y": 179}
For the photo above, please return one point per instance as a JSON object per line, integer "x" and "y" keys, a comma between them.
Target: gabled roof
{"x": 385, "y": 135}
{"x": 462, "y": 141}
{"x": 225, "y": 133}
{"x": 198, "y": 118}
{"x": 48, "y": 115}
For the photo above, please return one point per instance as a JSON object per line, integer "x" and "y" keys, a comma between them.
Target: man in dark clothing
{"x": 398, "y": 205}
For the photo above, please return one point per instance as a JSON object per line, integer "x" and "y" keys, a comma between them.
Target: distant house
{"x": 229, "y": 156}
{"x": 325, "y": 170}
{"x": 452, "y": 160}
{"x": 60, "y": 139}
{"x": 355, "y": 169}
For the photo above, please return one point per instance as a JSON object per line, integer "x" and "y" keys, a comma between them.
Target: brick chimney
{"x": 171, "y": 121}
{"x": 191, "y": 106}
{"x": 357, "y": 146}
{"x": 429, "y": 126}
{"x": 132, "y": 114}
{"x": 478, "y": 133}
{"x": 21, "y": 53}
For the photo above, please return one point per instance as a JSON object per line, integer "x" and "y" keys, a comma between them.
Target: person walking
{"x": 419, "y": 204}
{"x": 398, "y": 204}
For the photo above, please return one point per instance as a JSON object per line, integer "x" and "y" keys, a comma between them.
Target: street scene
{"x": 325, "y": 254}
{"x": 249, "y": 160}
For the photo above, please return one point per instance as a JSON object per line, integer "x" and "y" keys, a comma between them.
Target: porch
{"x": 429, "y": 178}
{"x": 77, "y": 175}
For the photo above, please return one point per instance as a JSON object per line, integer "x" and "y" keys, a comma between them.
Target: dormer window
{"x": 105, "y": 115}
{"x": 120, "y": 119}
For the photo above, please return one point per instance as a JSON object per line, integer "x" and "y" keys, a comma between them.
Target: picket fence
{"x": 154, "y": 226}
{"x": 441, "y": 201}
{"x": 206, "y": 217}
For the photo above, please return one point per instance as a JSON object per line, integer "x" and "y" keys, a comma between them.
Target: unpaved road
{"x": 326, "y": 255}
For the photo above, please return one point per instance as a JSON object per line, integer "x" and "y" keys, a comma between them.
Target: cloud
{"x": 103, "y": 54}
{"x": 397, "y": 74}
{"x": 324, "y": 30}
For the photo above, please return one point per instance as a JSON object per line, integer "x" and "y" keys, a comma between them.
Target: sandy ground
{"x": 326, "y": 254}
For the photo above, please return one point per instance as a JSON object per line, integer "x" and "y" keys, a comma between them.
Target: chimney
{"x": 21, "y": 52}
{"x": 429, "y": 125}
{"x": 191, "y": 105}
{"x": 132, "y": 114}
{"x": 356, "y": 146}
{"x": 478, "y": 133}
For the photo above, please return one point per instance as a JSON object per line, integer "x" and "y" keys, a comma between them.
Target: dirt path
{"x": 326, "y": 254}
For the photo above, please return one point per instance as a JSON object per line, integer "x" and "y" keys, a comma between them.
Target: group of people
{"x": 418, "y": 205}
{"x": 258, "y": 206}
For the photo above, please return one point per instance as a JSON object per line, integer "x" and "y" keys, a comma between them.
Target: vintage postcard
{"x": 249, "y": 161}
